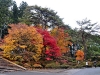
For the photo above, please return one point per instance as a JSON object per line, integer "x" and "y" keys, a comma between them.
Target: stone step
{"x": 6, "y": 66}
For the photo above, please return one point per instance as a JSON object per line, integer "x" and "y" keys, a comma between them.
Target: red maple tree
{"x": 51, "y": 50}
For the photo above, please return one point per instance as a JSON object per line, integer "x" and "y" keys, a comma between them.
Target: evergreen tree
{"x": 5, "y": 16}
{"x": 4, "y": 11}
{"x": 44, "y": 16}
{"x": 15, "y": 13}
{"x": 22, "y": 7}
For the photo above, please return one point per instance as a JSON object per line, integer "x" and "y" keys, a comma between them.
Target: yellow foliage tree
{"x": 22, "y": 38}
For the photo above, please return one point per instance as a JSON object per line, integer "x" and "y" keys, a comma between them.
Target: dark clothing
{"x": 94, "y": 63}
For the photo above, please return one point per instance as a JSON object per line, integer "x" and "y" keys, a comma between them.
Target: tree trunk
{"x": 85, "y": 46}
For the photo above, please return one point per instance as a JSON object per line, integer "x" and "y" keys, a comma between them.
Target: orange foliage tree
{"x": 23, "y": 42}
{"x": 62, "y": 38}
{"x": 79, "y": 55}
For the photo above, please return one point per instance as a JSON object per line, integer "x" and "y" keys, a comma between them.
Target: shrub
{"x": 78, "y": 66}
{"x": 37, "y": 66}
{"x": 52, "y": 65}
{"x": 98, "y": 63}
{"x": 64, "y": 66}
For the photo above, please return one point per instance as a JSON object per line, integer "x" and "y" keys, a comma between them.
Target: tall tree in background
{"x": 22, "y": 7}
{"x": 4, "y": 11}
{"x": 5, "y": 16}
{"x": 44, "y": 16}
{"x": 15, "y": 13}
{"x": 9, "y": 14}
{"x": 86, "y": 29}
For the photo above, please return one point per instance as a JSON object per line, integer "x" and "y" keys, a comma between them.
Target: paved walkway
{"x": 44, "y": 72}
{"x": 71, "y": 71}
{"x": 64, "y": 71}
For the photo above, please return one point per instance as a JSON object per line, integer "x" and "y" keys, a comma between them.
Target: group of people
{"x": 94, "y": 64}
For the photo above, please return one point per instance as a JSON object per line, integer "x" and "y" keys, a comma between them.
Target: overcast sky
{"x": 71, "y": 10}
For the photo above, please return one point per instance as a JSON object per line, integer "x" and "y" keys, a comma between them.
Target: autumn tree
{"x": 50, "y": 49}
{"x": 23, "y": 40}
{"x": 79, "y": 55}
{"x": 63, "y": 39}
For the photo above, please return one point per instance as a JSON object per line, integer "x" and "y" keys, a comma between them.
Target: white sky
{"x": 71, "y": 10}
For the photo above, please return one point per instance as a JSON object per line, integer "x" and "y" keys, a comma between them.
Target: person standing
{"x": 86, "y": 63}
{"x": 94, "y": 63}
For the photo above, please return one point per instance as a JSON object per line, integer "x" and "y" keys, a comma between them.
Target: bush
{"x": 78, "y": 66}
{"x": 52, "y": 65}
{"x": 98, "y": 63}
{"x": 64, "y": 66}
{"x": 37, "y": 66}
{"x": 57, "y": 66}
